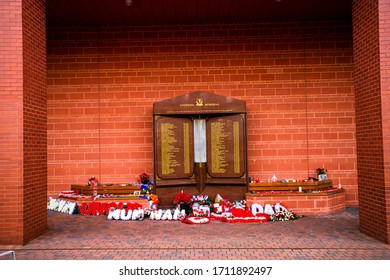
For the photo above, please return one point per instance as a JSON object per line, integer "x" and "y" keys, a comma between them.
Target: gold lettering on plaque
{"x": 186, "y": 138}
{"x": 218, "y": 148}
{"x": 236, "y": 139}
{"x": 168, "y": 149}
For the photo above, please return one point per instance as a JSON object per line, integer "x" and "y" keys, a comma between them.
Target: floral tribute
{"x": 167, "y": 215}
{"x": 202, "y": 210}
{"x": 162, "y": 215}
{"x": 128, "y": 212}
{"x": 93, "y": 182}
{"x": 103, "y": 208}
{"x": 241, "y": 213}
{"x": 201, "y": 199}
{"x": 196, "y": 220}
{"x": 144, "y": 178}
{"x": 200, "y": 206}
{"x": 63, "y": 206}
{"x": 145, "y": 189}
{"x": 182, "y": 197}
{"x": 321, "y": 171}
{"x": 235, "y": 212}
{"x": 221, "y": 205}
{"x": 321, "y": 174}
{"x": 154, "y": 199}
{"x": 284, "y": 216}
{"x": 153, "y": 202}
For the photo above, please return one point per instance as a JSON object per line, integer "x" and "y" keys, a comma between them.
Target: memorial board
{"x": 200, "y": 146}
{"x": 226, "y": 152}
{"x": 199, "y": 103}
{"x": 174, "y": 139}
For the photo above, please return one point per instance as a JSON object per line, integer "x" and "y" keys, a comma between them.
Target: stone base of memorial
{"x": 304, "y": 198}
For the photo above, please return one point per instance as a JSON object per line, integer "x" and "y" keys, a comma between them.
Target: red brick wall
{"x": 369, "y": 118}
{"x": 11, "y": 122}
{"x": 296, "y": 79}
{"x": 23, "y": 160}
{"x": 34, "y": 119}
{"x": 371, "y": 43}
{"x": 384, "y": 37}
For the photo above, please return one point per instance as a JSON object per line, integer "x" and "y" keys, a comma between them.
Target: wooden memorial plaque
{"x": 200, "y": 146}
{"x": 175, "y": 156}
{"x": 225, "y": 146}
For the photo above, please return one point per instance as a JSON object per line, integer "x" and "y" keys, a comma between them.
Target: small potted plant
{"x": 321, "y": 172}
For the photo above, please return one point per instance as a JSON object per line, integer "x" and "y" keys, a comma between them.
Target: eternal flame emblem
{"x": 199, "y": 102}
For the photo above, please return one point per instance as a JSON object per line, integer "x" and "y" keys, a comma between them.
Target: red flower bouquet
{"x": 321, "y": 171}
{"x": 144, "y": 178}
{"x": 182, "y": 198}
{"x": 92, "y": 182}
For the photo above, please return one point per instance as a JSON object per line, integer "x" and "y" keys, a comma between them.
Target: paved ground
{"x": 330, "y": 237}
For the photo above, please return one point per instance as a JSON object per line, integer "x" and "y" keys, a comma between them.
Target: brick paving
{"x": 326, "y": 237}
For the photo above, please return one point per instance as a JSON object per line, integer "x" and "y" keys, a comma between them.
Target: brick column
{"x": 23, "y": 144}
{"x": 371, "y": 23}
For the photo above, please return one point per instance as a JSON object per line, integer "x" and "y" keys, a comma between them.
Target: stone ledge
{"x": 322, "y": 203}
{"x": 142, "y": 201}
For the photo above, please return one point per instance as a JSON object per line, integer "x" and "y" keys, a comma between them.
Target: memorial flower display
{"x": 191, "y": 209}
{"x": 145, "y": 189}
{"x": 144, "y": 178}
{"x": 201, "y": 199}
{"x": 182, "y": 198}
{"x": 154, "y": 199}
{"x": 92, "y": 181}
{"x": 284, "y": 216}
{"x": 321, "y": 171}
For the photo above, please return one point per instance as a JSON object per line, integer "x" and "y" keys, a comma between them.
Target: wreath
{"x": 196, "y": 220}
